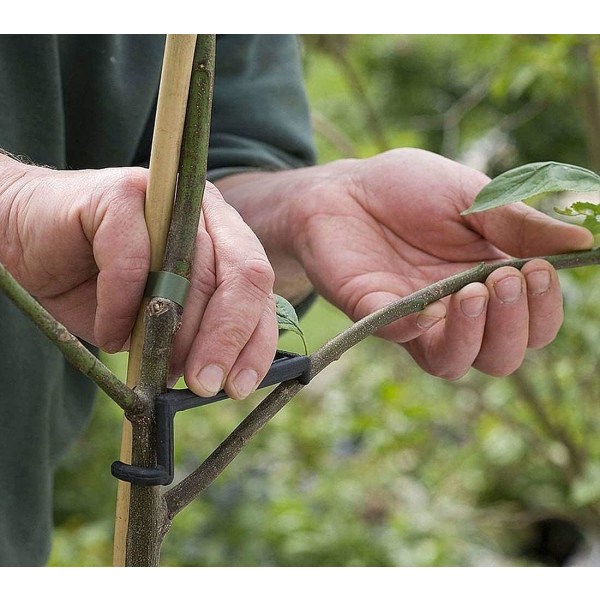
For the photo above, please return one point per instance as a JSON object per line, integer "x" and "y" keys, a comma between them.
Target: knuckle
{"x": 256, "y": 275}
{"x": 120, "y": 190}
{"x": 126, "y": 183}
{"x": 233, "y": 335}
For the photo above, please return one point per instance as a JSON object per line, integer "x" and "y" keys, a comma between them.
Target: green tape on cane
{"x": 163, "y": 284}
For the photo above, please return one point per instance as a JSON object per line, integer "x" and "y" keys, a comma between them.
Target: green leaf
{"x": 288, "y": 319}
{"x": 589, "y": 210}
{"x": 528, "y": 181}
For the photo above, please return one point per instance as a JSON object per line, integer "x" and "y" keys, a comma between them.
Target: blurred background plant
{"x": 377, "y": 463}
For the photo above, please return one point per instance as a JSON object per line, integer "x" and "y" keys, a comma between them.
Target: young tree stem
{"x": 160, "y": 193}
{"x": 146, "y": 508}
{"x": 147, "y": 517}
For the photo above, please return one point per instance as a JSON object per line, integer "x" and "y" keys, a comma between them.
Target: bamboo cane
{"x": 164, "y": 160}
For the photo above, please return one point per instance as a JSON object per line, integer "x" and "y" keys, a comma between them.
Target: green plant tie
{"x": 164, "y": 284}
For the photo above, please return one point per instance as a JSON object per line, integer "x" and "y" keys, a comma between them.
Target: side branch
{"x": 194, "y": 484}
{"x": 418, "y": 300}
{"x": 74, "y": 351}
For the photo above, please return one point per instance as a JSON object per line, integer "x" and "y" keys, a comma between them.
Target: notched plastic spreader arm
{"x": 286, "y": 366}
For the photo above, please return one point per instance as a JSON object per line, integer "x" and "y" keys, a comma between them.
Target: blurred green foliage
{"x": 376, "y": 463}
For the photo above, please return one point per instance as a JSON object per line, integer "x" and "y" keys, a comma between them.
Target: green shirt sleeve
{"x": 260, "y": 118}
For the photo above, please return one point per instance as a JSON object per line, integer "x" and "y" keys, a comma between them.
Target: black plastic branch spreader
{"x": 286, "y": 367}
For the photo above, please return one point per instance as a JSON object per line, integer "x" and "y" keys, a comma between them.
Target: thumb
{"x": 121, "y": 249}
{"x": 522, "y": 231}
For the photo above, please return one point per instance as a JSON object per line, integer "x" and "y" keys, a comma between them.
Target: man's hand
{"x": 367, "y": 232}
{"x": 77, "y": 241}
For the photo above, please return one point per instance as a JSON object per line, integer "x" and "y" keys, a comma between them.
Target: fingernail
{"x": 431, "y": 315}
{"x": 245, "y": 382}
{"x": 509, "y": 289}
{"x": 473, "y": 307}
{"x": 538, "y": 282}
{"x": 210, "y": 379}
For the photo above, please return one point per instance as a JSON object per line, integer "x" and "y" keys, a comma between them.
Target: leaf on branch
{"x": 288, "y": 319}
{"x": 589, "y": 210}
{"x": 532, "y": 180}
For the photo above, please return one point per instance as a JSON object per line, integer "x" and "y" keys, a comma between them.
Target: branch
{"x": 194, "y": 484}
{"x": 74, "y": 351}
{"x": 146, "y": 509}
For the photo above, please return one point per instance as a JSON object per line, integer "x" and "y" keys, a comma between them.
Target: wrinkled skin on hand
{"x": 367, "y": 232}
{"x": 398, "y": 228}
{"x": 78, "y": 242}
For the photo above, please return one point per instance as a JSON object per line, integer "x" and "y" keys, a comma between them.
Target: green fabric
{"x": 88, "y": 102}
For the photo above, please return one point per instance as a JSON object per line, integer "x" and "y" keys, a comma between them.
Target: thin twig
{"x": 74, "y": 351}
{"x": 194, "y": 484}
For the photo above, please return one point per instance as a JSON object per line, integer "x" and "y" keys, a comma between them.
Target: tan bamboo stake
{"x": 164, "y": 160}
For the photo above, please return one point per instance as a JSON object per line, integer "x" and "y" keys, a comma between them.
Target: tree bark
{"x": 146, "y": 508}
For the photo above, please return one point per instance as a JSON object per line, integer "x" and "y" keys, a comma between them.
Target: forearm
{"x": 268, "y": 204}
{"x": 12, "y": 171}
